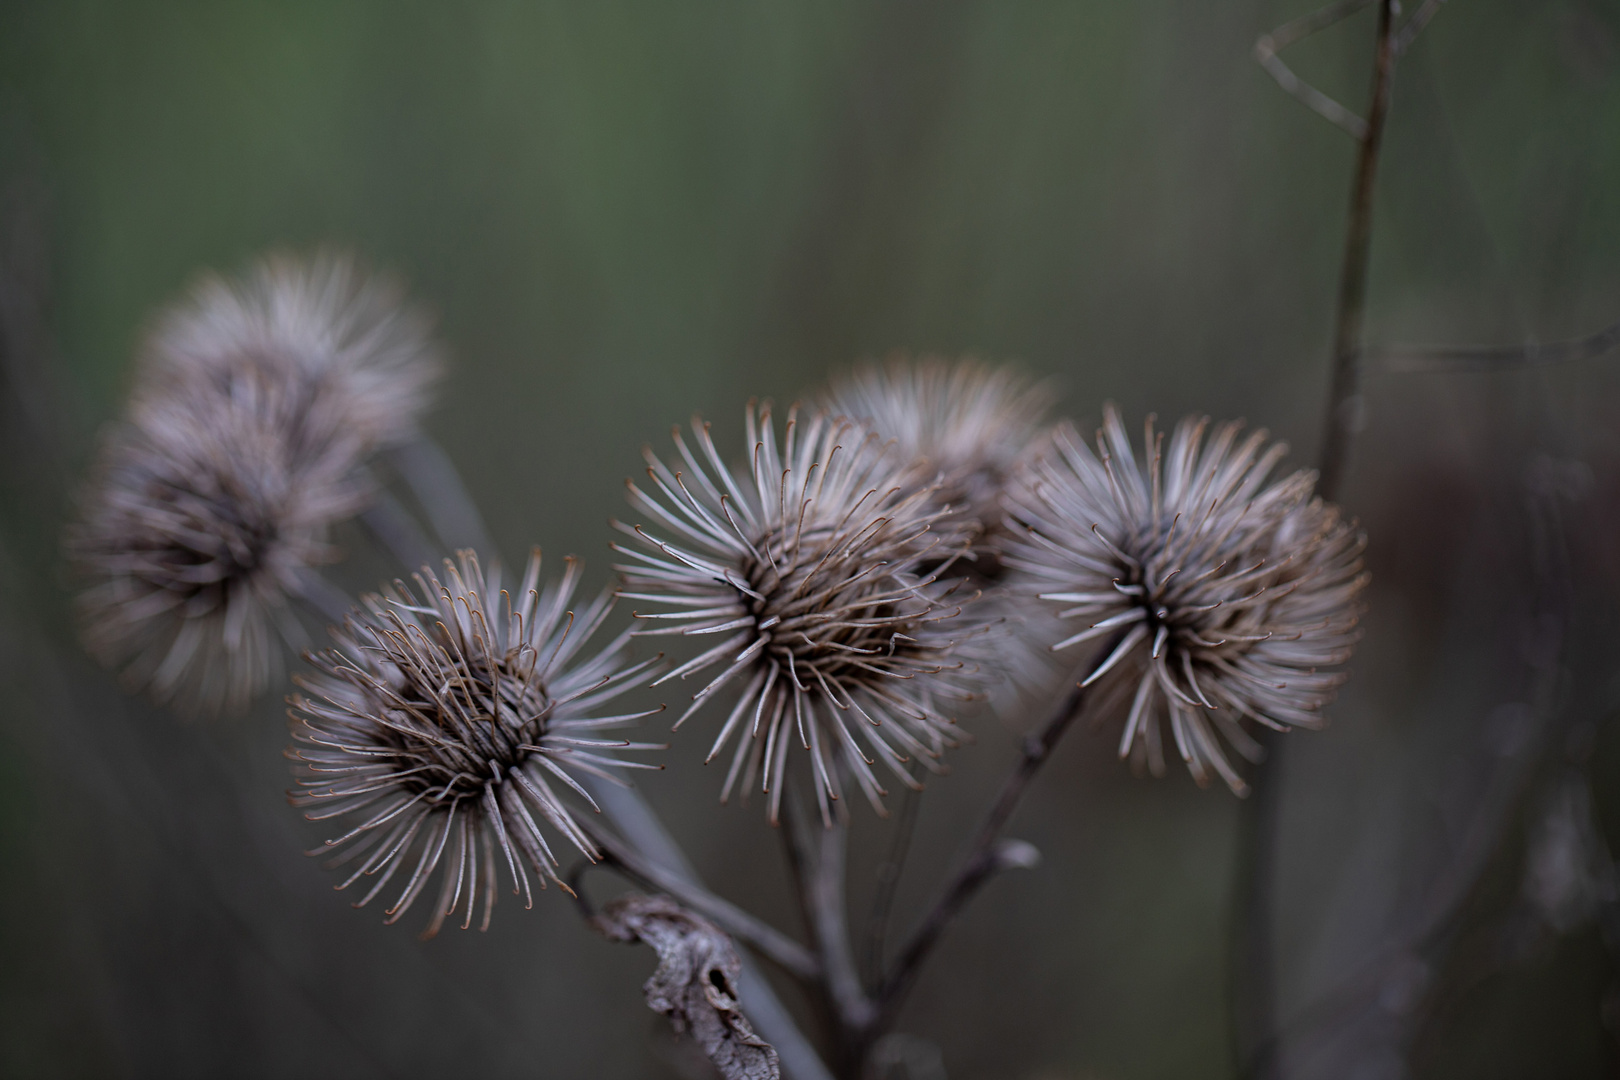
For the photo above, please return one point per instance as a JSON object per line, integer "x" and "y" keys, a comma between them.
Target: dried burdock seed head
{"x": 255, "y": 407}
{"x": 800, "y": 576}
{"x": 972, "y": 422}
{"x": 444, "y": 728}
{"x": 209, "y": 509}
{"x": 1224, "y": 598}
{"x": 345, "y": 338}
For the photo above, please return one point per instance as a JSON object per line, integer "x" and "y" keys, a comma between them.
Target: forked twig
{"x": 646, "y": 833}
{"x": 987, "y": 854}
{"x": 1269, "y": 45}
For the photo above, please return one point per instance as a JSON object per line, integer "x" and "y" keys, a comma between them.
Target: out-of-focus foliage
{"x": 627, "y": 213}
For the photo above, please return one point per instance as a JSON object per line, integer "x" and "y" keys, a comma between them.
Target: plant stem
{"x": 763, "y": 938}
{"x": 1344, "y": 407}
{"x": 1253, "y": 996}
{"x": 817, "y": 853}
{"x": 985, "y": 857}
{"x": 438, "y": 488}
{"x": 646, "y": 833}
{"x": 433, "y": 478}
{"x": 888, "y": 882}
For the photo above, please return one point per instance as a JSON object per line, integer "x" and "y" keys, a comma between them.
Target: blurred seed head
{"x": 801, "y": 576}
{"x": 347, "y": 338}
{"x": 1225, "y": 598}
{"x": 972, "y": 422}
{"x": 209, "y": 507}
{"x": 447, "y": 723}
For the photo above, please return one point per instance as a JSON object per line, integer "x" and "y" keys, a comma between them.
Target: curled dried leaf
{"x": 695, "y": 984}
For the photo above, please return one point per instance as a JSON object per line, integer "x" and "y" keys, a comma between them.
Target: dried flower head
{"x": 208, "y": 510}
{"x": 973, "y": 422}
{"x": 1225, "y": 598}
{"x": 319, "y": 323}
{"x": 803, "y": 570}
{"x": 440, "y": 726}
{"x": 255, "y": 408}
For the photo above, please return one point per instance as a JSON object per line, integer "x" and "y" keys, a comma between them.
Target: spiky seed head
{"x": 207, "y": 510}
{"x": 255, "y": 406}
{"x": 800, "y": 576}
{"x": 972, "y": 422}
{"x": 447, "y": 723}
{"x": 1224, "y": 598}
{"x": 347, "y": 336}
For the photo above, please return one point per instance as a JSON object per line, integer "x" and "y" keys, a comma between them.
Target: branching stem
{"x": 987, "y": 855}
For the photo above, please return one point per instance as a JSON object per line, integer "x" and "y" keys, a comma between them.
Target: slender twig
{"x": 433, "y": 479}
{"x": 816, "y": 855}
{"x": 1002, "y": 854}
{"x": 1458, "y": 358}
{"x": 395, "y": 529}
{"x": 1269, "y": 45}
{"x": 1252, "y": 997}
{"x": 888, "y": 882}
{"x": 1414, "y": 26}
{"x": 1344, "y": 407}
{"x": 758, "y": 935}
{"x": 819, "y": 858}
{"x": 641, "y": 826}
{"x": 984, "y": 856}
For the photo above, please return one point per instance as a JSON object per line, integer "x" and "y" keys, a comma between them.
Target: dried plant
{"x": 208, "y": 510}
{"x": 970, "y": 425}
{"x": 440, "y": 726}
{"x": 319, "y": 323}
{"x": 256, "y": 406}
{"x": 972, "y": 422}
{"x": 808, "y": 566}
{"x": 1226, "y": 598}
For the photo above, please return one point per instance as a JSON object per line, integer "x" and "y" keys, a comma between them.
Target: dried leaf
{"x": 695, "y": 984}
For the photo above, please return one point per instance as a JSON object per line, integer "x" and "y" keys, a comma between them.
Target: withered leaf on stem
{"x": 695, "y": 984}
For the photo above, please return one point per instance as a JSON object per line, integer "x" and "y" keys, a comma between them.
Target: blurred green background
{"x": 625, "y": 213}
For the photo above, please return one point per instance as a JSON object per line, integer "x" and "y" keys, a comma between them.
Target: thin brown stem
{"x": 818, "y": 853}
{"x": 1482, "y": 358}
{"x": 760, "y": 936}
{"x": 888, "y": 882}
{"x": 986, "y": 856}
{"x": 1253, "y": 1003}
{"x": 1344, "y": 407}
